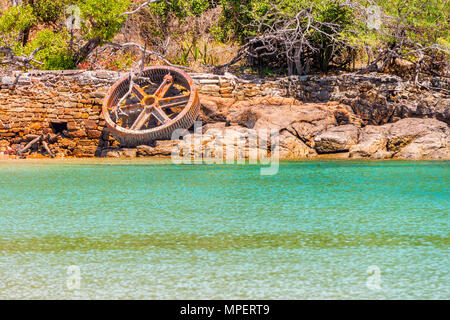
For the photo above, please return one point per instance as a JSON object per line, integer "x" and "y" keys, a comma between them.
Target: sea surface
{"x": 156, "y": 230}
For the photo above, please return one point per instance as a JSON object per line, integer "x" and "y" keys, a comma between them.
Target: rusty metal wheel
{"x": 162, "y": 100}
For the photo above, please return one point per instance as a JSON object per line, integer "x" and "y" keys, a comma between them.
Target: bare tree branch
{"x": 140, "y": 7}
{"x": 12, "y": 59}
{"x": 147, "y": 52}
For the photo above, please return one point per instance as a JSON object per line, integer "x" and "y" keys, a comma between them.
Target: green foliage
{"x": 122, "y": 63}
{"x": 193, "y": 52}
{"x": 17, "y": 18}
{"x": 101, "y": 18}
{"x": 412, "y": 23}
{"x": 198, "y": 6}
{"x": 12, "y": 22}
{"x": 48, "y": 10}
{"x": 246, "y": 19}
{"x": 180, "y": 8}
{"x": 424, "y": 21}
{"x": 54, "y": 52}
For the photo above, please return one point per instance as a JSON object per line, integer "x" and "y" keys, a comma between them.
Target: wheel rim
{"x": 163, "y": 99}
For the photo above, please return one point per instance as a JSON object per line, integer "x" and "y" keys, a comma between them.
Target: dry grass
{"x": 172, "y": 37}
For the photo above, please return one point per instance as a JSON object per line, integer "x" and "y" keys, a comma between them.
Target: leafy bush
{"x": 12, "y": 22}
{"x": 180, "y": 8}
{"x": 296, "y": 36}
{"x": 54, "y": 51}
{"x": 49, "y": 10}
{"x": 281, "y": 23}
{"x": 101, "y": 18}
{"x": 101, "y": 21}
{"x": 339, "y": 30}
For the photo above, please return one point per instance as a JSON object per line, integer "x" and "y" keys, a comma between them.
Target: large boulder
{"x": 419, "y": 139}
{"x": 290, "y": 147}
{"x": 409, "y": 138}
{"x": 216, "y": 109}
{"x": 427, "y": 107}
{"x": 304, "y": 120}
{"x": 162, "y": 148}
{"x": 371, "y": 140}
{"x": 337, "y": 139}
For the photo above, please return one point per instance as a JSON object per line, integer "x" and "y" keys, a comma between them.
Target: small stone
{"x": 8, "y": 80}
{"x": 90, "y": 124}
{"x": 210, "y": 88}
{"x": 128, "y": 152}
{"x": 110, "y": 153}
{"x": 23, "y": 80}
{"x": 209, "y": 81}
{"x": 35, "y": 126}
{"x": 226, "y": 90}
{"x": 94, "y": 134}
{"x": 72, "y": 125}
{"x": 66, "y": 143}
{"x": 77, "y": 134}
{"x": 144, "y": 151}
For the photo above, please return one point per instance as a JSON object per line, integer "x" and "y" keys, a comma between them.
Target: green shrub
{"x": 179, "y": 8}
{"x": 12, "y": 22}
{"x": 101, "y": 18}
{"x": 49, "y": 10}
{"x": 54, "y": 51}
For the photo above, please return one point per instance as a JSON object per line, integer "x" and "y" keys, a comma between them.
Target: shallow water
{"x": 153, "y": 230}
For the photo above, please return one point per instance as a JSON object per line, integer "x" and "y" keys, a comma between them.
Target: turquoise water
{"x": 150, "y": 230}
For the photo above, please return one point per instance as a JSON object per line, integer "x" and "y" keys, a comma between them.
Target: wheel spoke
{"x": 130, "y": 106}
{"x": 159, "y": 114}
{"x": 168, "y": 99}
{"x": 141, "y": 119}
{"x": 139, "y": 92}
{"x": 174, "y": 101}
{"x": 175, "y": 104}
{"x": 165, "y": 85}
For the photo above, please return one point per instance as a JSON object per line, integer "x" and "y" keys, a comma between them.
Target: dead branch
{"x": 42, "y": 139}
{"x": 12, "y": 59}
{"x": 287, "y": 39}
{"x": 140, "y": 7}
{"x": 29, "y": 145}
{"x": 147, "y": 52}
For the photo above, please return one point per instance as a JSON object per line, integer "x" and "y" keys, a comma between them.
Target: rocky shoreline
{"x": 306, "y": 130}
{"x": 346, "y": 117}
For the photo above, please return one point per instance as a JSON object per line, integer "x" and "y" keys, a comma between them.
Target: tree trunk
{"x": 298, "y": 60}
{"x": 24, "y": 35}
{"x": 85, "y": 50}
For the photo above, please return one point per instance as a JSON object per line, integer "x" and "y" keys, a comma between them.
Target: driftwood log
{"x": 43, "y": 140}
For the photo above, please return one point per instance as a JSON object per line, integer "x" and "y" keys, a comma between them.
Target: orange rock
{"x": 94, "y": 134}
{"x": 77, "y": 134}
{"x": 35, "y": 126}
{"x": 72, "y": 125}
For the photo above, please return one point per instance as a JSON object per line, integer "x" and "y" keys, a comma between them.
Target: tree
{"x": 298, "y": 35}
{"x": 294, "y": 34}
{"x": 57, "y": 46}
